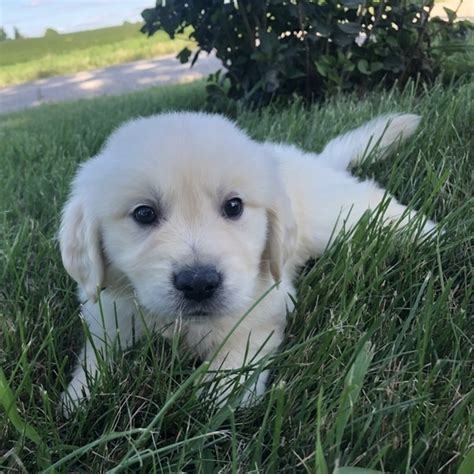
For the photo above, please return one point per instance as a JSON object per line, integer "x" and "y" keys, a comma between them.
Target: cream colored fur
{"x": 186, "y": 165}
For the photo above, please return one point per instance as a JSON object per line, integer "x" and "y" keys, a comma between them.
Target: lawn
{"x": 376, "y": 368}
{"x": 35, "y": 58}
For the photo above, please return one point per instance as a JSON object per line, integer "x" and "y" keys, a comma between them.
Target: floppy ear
{"x": 79, "y": 239}
{"x": 281, "y": 234}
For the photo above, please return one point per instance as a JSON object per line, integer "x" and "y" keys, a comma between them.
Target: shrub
{"x": 310, "y": 48}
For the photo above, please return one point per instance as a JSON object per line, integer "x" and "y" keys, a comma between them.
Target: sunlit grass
{"x": 30, "y": 59}
{"x": 376, "y": 368}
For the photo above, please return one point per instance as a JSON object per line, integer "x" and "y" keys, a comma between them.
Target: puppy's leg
{"x": 326, "y": 197}
{"x": 235, "y": 361}
{"x": 111, "y": 322}
{"x": 230, "y": 365}
{"x": 327, "y": 201}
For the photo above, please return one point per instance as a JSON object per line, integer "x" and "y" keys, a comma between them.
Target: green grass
{"x": 36, "y": 58}
{"x": 376, "y": 368}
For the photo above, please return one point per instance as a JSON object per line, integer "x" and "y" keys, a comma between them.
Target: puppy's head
{"x": 185, "y": 209}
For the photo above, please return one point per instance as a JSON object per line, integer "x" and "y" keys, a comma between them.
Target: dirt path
{"x": 465, "y": 10}
{"x": 112, "y": 80}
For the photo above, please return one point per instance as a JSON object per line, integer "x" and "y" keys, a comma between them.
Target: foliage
{"x": 50, "y": 32}
{"x": 3, "y": 34}
{"x": 16, "y": 34}
{"x": 311, "y": 47}
{"x": 402, "y": 404}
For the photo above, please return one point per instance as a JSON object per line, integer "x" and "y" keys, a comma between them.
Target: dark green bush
{"x": 311, "y": 48}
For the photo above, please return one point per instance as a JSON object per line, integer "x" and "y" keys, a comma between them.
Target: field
{"x": 36, "y": 58}
{"x": 376, "y": 369}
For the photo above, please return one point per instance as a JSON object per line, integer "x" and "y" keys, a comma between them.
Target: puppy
{"x": 182, "y": 221}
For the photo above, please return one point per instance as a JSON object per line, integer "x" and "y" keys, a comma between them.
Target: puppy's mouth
{"x": 197, "y": 314}
{"x": 201, "y": 310}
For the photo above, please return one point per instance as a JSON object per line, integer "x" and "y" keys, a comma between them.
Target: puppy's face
{"x": 185, "y": 209}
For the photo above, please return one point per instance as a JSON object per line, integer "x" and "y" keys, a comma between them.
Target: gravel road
{"x": 112, "y": 80}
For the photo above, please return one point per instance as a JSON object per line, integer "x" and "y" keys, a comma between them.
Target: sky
{"x": 32, "y": 17}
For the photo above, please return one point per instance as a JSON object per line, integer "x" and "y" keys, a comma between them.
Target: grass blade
{"x": 7, "y": 399}
{"x": 352, "y": 386}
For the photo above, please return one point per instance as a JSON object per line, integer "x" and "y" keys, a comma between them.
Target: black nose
{"x": 197, "y": 283}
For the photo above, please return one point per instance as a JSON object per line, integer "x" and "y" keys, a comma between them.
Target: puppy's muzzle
{"x": 197, "y": 283}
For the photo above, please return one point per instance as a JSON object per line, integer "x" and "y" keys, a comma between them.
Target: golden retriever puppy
{"x": 182, "y": 221}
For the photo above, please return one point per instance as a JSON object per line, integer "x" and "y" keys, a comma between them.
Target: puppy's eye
{"x": 145, "y": 215}
{"x": 233, "y": 208}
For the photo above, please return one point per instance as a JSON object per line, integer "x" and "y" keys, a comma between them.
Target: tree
{"x": 50, "y": 32}
{"x": 3, "y": 34}
{"x": 16, "y": 34}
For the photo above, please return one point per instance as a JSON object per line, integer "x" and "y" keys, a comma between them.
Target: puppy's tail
{"x": 375, "y": 138}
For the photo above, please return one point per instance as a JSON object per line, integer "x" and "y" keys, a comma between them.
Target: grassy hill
{"x": 35, "y": 58}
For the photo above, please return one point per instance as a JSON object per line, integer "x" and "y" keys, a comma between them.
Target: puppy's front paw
{"x": 221, "y": 386}
{"x": 429, "y": 228}
{"x": 255, "y": 391}
{"x": 69, "y": 401}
